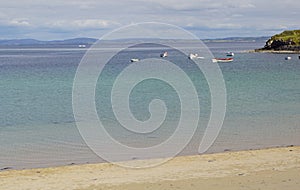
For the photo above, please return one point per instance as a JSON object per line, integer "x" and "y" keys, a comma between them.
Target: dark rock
{"x": 286, "y": 41}
{"x": 6, "y": 168}
{"x": 279, "y": 44}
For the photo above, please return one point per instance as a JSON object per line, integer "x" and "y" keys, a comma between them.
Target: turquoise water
{"x": 37, "y": 126}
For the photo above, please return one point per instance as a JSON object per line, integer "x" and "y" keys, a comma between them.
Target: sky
{"x": 62, "y": 19}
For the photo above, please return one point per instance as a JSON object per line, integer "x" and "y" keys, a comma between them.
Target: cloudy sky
{"x": 60, "y": 19}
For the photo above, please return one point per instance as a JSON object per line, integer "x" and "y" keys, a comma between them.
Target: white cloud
{"x": 84, "y": 24}
{"x": 83, "y": 4}
{"x": 19, "y": 22}
{"x": 77, "y": 17}
{"x": 91, "y": 23}
{"x": 179, "y": 5}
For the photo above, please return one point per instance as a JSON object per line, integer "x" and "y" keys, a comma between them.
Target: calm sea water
{"x": 37, "y": 126}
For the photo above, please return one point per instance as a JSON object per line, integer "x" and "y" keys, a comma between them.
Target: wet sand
{"x": 277, "y": 168}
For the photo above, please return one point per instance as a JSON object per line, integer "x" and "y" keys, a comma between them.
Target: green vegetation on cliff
{"x": 288, "y": 35}
{"x": 286, "y": 41}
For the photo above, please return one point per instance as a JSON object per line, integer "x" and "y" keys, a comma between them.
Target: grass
{"x": 289, "y": 35}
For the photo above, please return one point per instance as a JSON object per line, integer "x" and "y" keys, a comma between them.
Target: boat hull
{"x": 222, "y": 60}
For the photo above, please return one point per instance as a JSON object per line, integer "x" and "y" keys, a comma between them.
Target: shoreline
{"x": 241, "y": 168}
{"x": 11, "y": 168}
{"x": 274, "y": 51}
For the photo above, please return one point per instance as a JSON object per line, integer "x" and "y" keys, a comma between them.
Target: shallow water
{"x": 37, "y": 126}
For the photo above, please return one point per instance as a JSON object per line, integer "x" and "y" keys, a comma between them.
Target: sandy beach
{"x": 276, "y": 168}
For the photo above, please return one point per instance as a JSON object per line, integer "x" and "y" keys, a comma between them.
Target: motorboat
{"x": 134, "y": 60}
{"x": 230, "y": 54}
{"x": 195, "y": 56}
{"x": 222, "y": 60}
{"x": 165, "y": 54}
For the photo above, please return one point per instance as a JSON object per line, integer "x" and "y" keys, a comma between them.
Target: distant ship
{"x": 165, "y": 54}
{"x": 222, "y": 60}
{"x": 81, "y": 46}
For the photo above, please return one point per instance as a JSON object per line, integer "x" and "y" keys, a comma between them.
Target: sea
{"x": 37, "y": 123}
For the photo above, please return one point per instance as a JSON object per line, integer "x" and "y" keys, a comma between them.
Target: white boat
{"x": 81, "y": 46}
{"x": 288, "y": 58}
{"x": 134, "y": 60}
{"x": 165, "y": 54}
{"x": 230, "y": 54}
{"x": 195, "y": 56}
{"x": 222, "y": 60}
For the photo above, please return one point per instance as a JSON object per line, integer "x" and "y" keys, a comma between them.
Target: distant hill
{"x": 286, "y": 41}
{"x": 20, "y": 42}
{"x": 90, "y": 41}
{"x": 239, "y": 39}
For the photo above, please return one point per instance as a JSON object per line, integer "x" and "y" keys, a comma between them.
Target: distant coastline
{"x": 90, "y": 41}
{"x": 30, "y": 42}
{"x": 274, "y": 51}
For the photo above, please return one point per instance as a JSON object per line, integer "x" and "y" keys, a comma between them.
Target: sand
{"x": 277, "y": 168}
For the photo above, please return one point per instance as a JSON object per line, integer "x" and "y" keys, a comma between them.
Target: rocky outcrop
{"x": 286, "y": 41}
{"x": 278, "y": 44}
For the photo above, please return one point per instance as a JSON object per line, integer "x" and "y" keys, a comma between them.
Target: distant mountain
{"x": 239, "y": 39}
{"x": 74, "y": 41}
{"x": 90, "y": 41}
{"x": 20, "y": 42}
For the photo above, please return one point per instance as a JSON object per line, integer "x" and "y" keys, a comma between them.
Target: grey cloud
{"x": 70, "y": 18}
